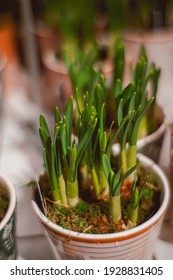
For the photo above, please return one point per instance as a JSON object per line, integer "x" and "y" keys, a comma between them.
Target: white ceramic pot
{"x": 136, "y": 243}
{"x": 8, "y": 224}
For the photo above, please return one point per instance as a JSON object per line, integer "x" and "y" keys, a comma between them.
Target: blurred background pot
{"x": 136, "y": 243}
{"x": 8, "y": 224}
{"x": 57, "y": 81}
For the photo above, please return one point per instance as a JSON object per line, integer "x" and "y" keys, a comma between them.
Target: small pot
{"x": 135, "y": 243}
{"x": 8, "y": 224}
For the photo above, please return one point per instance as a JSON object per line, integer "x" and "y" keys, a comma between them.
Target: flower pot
{"x": 136, "y": 243}
{"x": 8, "y": 224}
{"x": 57, "y": 80}
{"x": 46, "y": 40}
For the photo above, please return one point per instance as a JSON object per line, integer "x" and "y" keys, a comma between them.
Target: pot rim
{"x": 160, "y": 35}
{"x": 54, "y": 64}
{"x": 8, "y": 186}
{"x": 94, "y": 238}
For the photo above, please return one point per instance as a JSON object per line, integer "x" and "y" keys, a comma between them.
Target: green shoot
{"x": 134, "y": 205}
{"x": 115, "y": 181}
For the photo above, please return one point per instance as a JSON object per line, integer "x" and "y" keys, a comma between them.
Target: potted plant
{"x": 117, "y": 211}
{"x": 7, "y": 219}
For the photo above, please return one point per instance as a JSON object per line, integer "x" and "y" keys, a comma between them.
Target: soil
{"x": 91, "y": 216}
{"x": 3, "y": 203}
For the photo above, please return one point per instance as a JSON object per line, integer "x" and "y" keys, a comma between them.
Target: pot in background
{"x": 137, "y": 243}
{"x": 8, "y": 224}
{"x": 57, "y": 82}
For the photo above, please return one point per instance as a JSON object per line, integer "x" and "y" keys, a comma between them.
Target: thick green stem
{"x": 133, "y": 215}
{"x": 123, "y": 156}
{"x": 103, "y": 182}
{"x": 95, "y": 182}
{"x": 72, "y": 193}
{"x": 131, "y": 160}
{"x": 56, "y": 195}
{"x": 131, "y": 156}
{"x": 62, "y": 187}
{"x": 143, "y": 128}
{"x": 115, "y": 208}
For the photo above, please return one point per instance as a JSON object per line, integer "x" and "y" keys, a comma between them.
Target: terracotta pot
{"x": 57, "y": 81}
{"x": 8, "y": 224}
{"x": 136, "y": 243}
{"x": 46, "y": 39}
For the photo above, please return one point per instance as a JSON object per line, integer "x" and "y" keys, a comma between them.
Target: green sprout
{"x": 134, "y": 205}
{"x": 115, "y": 181}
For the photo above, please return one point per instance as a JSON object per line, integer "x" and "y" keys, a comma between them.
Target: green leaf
{"x": 118, "y": 89}
{"x": 43, "y": 136}
{"x": 131, "y": 170}
{"x": 134, "y": 133}
{"x": 106, "y": 165}
{"x": 52, "y": 168}
{"x": 120, "y": 112}
{"x": 83, "y": 144}
{"x": 72, "y": 158}
{"x": 45, "y": 160}
{"x": 56, "y": 132}
{"x": 101, "y": 120}
{"x": 126, "y": 130}
{"x": 128, "y": 92}
{"x": 98, "y": 99}
{"x": 115, "y": 187}
{"x": 44, "y": 126}
{"x": 57, "y": 115}
{"x": 63, "y": 137}
{"x": 69, "y": 118}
